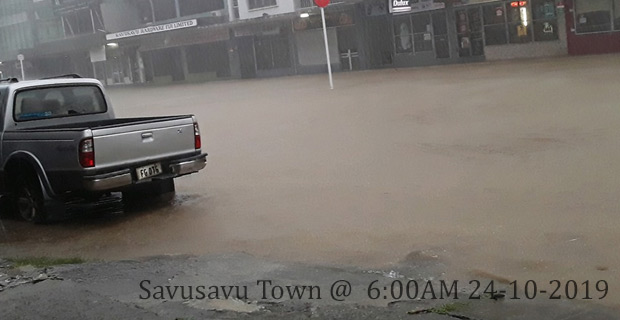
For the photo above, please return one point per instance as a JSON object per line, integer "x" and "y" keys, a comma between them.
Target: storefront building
{"x": 593, "y": 26}
{"x": 511, "y": 29}
{"x": 164, "y": 53}
{"x": 285, "y": 38}
{"x": 345, "y": 38}
{"x": 428, "y": 32}
{"x": 421, "y": 33}
{"x": 163, "y": 41}
{"x": 263, "y": 48}
{"x": 53, "y": 37}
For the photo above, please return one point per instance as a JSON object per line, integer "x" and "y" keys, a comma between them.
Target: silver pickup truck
{"x": 61, "y": 148}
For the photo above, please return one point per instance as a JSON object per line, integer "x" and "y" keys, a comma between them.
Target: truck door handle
{"x": 147, "y": 137}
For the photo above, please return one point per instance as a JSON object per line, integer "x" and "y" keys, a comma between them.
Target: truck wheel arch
{"x": 26, "y": 163}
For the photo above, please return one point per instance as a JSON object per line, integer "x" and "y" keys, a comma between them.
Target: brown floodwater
{"x": 508, "y": 170}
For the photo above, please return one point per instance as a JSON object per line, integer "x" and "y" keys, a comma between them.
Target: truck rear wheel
{"x": 29, "y": 201}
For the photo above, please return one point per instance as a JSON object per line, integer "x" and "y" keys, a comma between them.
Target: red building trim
{"x": 594, "y": 43}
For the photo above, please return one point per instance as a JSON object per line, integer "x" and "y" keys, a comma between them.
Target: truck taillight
{"x": 87, "y": 153}
{"x": 197, "y": 142}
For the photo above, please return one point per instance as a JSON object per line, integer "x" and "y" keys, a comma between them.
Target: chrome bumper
{"x": 186, "y": 167}
{"x": 107, "y": 183}
{"x": 124, "y": 178}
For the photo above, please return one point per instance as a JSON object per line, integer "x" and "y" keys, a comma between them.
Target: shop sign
{"x": 410, "y": 6}
{"x": 397, "y": 6}
{"x": 152, "y": 29}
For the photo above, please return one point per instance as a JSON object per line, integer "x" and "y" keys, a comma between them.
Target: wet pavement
{"x": 234, "y": 286}
{"x": 497, "y": 171}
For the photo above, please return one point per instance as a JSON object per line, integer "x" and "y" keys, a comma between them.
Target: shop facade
{"x": 263, "y": 49}
{"x": 421, "y": 35}
{"x": 428, "y": 32}
{"x": 511, "y": 29}
{"x": 345, "y": 38}
{"x": 414, "y": 33}
{"x": 593, "y": 26}
{"x": 166, "y": 53}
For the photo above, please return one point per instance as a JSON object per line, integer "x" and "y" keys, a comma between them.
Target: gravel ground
{"x": 128, "y": 290}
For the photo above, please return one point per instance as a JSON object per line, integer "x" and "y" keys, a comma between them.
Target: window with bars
{"x": 236, "y": 8}
{"x": 469, "y": 32}
{"x": 82, "y": 21}
{"x": 191, "y": 7}
{"x": 597, "y": 16}
{"x": 306, "y": 3}
{"x": 494, "y": 17}
{"x": 257, "y": 4}
{"x": 545, "y": 20}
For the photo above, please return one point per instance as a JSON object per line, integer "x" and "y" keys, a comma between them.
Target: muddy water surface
{"x": 506, "y": 170}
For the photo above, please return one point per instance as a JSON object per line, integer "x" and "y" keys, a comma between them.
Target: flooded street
{"x": 505, "y": 169}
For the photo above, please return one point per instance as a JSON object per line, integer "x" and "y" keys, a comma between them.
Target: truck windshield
{"x": 56, "y": 102}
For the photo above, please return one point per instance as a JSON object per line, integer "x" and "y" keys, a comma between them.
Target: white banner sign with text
{"x": 152, "y": 29}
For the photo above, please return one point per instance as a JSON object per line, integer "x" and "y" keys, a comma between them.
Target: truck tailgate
{"x": 139, "y": 143}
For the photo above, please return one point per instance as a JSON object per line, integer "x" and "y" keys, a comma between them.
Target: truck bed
{"x": 101, "y": 124}
{"x": 118, "y": 143}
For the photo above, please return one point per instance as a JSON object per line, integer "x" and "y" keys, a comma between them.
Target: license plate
{"x": 149, "y": 171}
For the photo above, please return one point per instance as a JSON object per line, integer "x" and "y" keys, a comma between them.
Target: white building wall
{"x": 231, "y": 12}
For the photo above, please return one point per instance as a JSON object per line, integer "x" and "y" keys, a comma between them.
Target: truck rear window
{"x": 54, "y": 102}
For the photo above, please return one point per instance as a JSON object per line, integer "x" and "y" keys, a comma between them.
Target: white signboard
{"x": 20, "y": 57}
{"x": 409, "y": 6}
{"x": 152, "y": 29}
{"x": 400, "y": 6}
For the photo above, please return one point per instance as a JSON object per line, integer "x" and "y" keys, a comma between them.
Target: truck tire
{"x": 147, "y": 191}
{"x": 29, "y": 200}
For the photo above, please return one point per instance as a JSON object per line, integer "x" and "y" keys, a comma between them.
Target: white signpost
{"x": 20, "y": 57}
{"x": 322, "y": 4}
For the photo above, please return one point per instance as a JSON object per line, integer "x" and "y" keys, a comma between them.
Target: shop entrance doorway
{"x": 246, "y": 57}
{"x": 380, "y": 47}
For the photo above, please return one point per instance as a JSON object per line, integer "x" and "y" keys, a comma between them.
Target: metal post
{"x": 350, "y": 60}
{"x": 64, "y": 31}
{"x": 92, "y": 20}
{"x": 152, "y": 11}
{"x": 21, "y": 64}
{"x": 329, "y": 64}
{"x": 177, "y": 8}
{"x": 140, "y": 61}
